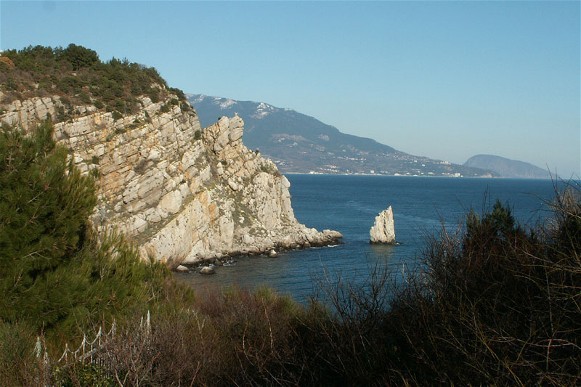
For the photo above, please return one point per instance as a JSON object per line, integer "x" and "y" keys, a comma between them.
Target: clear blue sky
{"x": 445, "y": 80}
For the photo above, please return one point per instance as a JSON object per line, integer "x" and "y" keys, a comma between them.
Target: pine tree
{"x": 56, "y": 274}
{"x": 44, "y": 207}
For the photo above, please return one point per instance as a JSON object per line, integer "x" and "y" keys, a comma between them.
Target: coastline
{"x": 422, "y": 176}
{"x": 326, "y": 238}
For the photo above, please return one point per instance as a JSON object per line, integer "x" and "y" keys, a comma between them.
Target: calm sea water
{"x": 349, "y": 204}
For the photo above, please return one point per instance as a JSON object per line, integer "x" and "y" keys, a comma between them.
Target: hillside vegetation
{"x": 79, "y": 77}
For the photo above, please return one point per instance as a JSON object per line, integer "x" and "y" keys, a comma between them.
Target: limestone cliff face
{"x": 182, "y": 193}
{"x": 383, "y": 229}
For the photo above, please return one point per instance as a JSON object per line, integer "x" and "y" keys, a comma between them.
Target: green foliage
{"x": 16, "y": 354}
{"x": 116, "y": 115}
{"x": 56, "y": 275}
{"x": 180, "y": 94}
{"x": 106, "y": 281}
{"x": 567, "y": 236}
{"x": 78, "y": 56}
{"x": 81, "y": 374}
{"x": 270, "y": 169}
{"x": 44, "y": 206}
{"x": 497, "y": 225}
{"x": 185, "y": 107}
{"x": 77, "y": 73}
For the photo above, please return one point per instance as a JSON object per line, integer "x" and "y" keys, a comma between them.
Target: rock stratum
{"x": 182, "y": 193}
{"x": 383, "y": 229}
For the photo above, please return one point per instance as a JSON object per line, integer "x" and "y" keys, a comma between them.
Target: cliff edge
{"x": 181, "y": 192}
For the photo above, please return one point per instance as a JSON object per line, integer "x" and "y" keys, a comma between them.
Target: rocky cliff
{"x": 383, "y": 229}
{"x": 181, "y": 192}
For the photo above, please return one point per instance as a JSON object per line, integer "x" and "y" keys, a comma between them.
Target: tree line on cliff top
{"x": 79, "y": 77}
{"x": 495, "y": 302}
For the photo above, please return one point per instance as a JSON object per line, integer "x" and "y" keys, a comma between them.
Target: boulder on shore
{"x": 383, "y": 230}
{"x": 207, "y": 270}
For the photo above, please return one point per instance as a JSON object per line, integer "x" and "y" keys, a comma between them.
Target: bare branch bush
{"x": 500, "y": 305}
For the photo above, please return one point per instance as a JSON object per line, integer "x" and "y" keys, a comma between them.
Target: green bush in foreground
{"x": 56, "y": 276}
{"x": 497, "y": 305}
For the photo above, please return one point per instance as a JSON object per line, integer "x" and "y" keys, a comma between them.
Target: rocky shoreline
{"x": 324, "y": 239}
{"x": 307, "y": 239}
{"x": 316, "y": 239}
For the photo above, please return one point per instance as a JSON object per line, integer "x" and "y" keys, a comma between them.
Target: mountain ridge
{"x": 508, "y": 168}
{"x": 299, "y": 143}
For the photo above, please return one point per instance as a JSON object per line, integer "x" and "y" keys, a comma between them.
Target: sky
{"x": 442, "y": 79}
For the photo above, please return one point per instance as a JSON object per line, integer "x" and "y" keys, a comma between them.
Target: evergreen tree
{"x": 79, "y": 56}
{"x": 44, "y": 206}
{"x": 56, "y": 274}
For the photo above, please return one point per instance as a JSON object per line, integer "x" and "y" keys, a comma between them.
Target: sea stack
{"x": 383, "y": 230}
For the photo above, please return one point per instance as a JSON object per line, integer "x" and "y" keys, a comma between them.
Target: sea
{"x": 422, "y": 207}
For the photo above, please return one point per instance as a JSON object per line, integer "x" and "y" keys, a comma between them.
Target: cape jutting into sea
{"x": 349, "y": 204}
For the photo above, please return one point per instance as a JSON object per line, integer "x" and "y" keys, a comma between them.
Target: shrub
{"x": 79, "y": 56}
{"x": 235, "y": 337}
{"x": 153, "y": 94}
{"x": 81, "y": 374}
{"x": 56, "y": 274}
{"x": 185, "y": 107}
{"x": 497, "y": 304}
{"x": 141, "y": 166}
{"x": 494, "y": 304}
{"x": 116, "y": 115}
{"x": 84, "y": 98}
{"x": 180, "y": 94}
{"x": 16, "y": 354}
{"x": 348, "y": 343}
{"x": 77, "y": 72}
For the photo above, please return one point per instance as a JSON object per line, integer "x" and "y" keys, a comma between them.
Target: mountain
{"x": 298, "y": 143}
{"x": 504, "y": 167}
